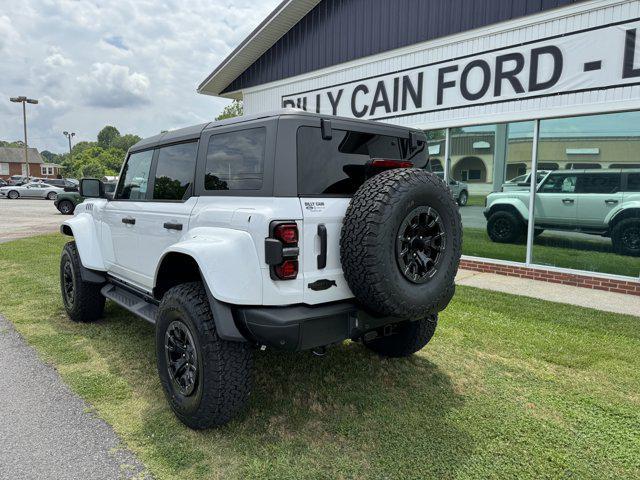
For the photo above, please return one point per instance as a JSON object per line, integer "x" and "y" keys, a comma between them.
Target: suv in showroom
{"x": 597, "y": 202}
{"x": 289, "y": 230}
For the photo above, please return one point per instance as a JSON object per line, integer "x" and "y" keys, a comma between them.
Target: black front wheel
{"x": 65, "y": 207}
{"x": 206, "y": 380}
{"x": 625, "y": 237}
{"x": 82, "y": 300}
{"x": 505, "y": 227}
{"x": 408, "y": 338}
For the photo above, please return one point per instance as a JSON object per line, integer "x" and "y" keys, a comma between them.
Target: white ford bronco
{"x": 288, "y": 230}
{"x": 596, "y": 202}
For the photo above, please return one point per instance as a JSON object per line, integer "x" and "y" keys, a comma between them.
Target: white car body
{"x": 32, "y": 190}
{"x": 569, "y": 209}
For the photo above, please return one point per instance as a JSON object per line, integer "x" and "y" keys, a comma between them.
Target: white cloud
{"x": 57, "y": 59}
{"x": 114, "y": 86}
{"x": 134, "y": 64}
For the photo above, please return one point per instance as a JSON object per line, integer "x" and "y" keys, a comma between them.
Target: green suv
{"x": 67, "y": 201}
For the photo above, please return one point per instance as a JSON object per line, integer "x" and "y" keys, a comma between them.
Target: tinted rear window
{"x": 633, "y": 182}
{"x": 338, "y": 166}
{"x": 598, "y": 183}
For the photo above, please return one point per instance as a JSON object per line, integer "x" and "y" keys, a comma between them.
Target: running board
{"x": 132, "y": 302}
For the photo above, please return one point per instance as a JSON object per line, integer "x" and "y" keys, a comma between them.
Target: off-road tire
{"x": 409, "y": 338}
{"x": 86, "y": 303}
{"x": 368, "y": 244}
{"x": 505, "y": 227}
{"x": 13, "y": 194}
{"x": 224, "y": 368}
{"x": 624, "y": 228}
{"x": 68, "y": 205}
{"x": 463, "y": 198}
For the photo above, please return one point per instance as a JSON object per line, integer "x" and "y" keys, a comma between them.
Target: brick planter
{"x": 631, "y": 287}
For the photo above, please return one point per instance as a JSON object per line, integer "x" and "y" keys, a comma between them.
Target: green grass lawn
{"x": 551, "y": 248}
{"x": 510, "y": 387}
{"x": 476, "y": 200}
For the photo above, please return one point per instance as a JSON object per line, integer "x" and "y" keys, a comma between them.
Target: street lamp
{"x": 24, "y": 101}
{"x": 69, "y": 137}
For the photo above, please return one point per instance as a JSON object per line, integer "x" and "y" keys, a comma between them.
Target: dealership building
{"x": 502, "y": 88}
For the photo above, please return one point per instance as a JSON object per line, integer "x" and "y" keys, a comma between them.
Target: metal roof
{"x": 279, "y": 22}
{"x": 302, "y": 36}
{"x": 16, "y": 155}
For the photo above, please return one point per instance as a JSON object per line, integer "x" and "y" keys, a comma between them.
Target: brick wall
{"x": 631, "y": 287}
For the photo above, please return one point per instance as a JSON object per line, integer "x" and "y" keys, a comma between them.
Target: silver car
{"x": 459, "y": 190}
{"x": 31, "y": 190}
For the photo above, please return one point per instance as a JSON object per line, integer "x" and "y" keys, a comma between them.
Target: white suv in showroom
{"x": 598, "y": 202}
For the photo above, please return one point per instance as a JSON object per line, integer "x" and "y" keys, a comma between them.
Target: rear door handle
{"x": 129, "y": 220}
{"x": 611, "y": 202}
{"x": 322, "y": 258}
{"x": 568, "y": 201}
{"x": 173, "y": 226}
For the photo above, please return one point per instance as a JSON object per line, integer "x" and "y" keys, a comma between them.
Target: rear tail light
{"x": 287, "y": 270}
{"x": 281, "y": 250}
{"x": 287, "y": 233}
{"x": 387, "y": 163}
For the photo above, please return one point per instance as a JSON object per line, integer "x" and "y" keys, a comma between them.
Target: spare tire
{"x": 400, "y": 244}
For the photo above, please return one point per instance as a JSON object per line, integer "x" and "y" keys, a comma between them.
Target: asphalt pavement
{"x": 25, "y": 218}
{"x": 46, "y": 431}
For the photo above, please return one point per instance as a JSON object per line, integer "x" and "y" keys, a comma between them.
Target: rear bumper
{"x": 303, "y": 327}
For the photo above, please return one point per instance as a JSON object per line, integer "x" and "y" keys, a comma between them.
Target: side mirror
{"x": 91, "y": 188}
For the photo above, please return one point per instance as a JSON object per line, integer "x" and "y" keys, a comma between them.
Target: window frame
{"x": 267, "y": 190}
{"x": 121, "y": 179}
{"x": 154, "y": 168}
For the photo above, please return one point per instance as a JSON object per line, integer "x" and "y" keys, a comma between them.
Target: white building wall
{"x": 575, "y": 18}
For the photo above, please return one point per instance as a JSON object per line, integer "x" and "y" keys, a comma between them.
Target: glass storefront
{"x": 586, "y": 192}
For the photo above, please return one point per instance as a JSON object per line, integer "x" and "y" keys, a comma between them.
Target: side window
{"x": 175, "y": 171}
{"x": 633, "y": 182}
{"x": 235, "y": 160}
{"x": 599, "y": 183}
{"x": 135, "y": 177}
{"x": 559, "y": 184}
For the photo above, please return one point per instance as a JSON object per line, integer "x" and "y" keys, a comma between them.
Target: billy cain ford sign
{"x": 594, "y": 59}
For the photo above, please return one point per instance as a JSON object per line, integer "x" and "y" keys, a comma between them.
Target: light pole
{"x": 24, "y": 101}
{"x": 69, "y": 137}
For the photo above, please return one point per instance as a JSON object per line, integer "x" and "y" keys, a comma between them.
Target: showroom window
{"x": 585, "y": 217}
{"x": 587, "y": 180}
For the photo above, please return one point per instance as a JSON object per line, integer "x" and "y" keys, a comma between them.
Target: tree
{"x": 235, "y": 109}
{"x": 125, "y": 142}
{"x": 49, "y": 156}
{"x": 108, "y": 136}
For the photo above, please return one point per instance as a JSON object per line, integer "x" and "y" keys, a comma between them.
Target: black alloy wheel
{"x": 65, "y": 207}
{"x": 181, "y": 357}
{"x": 631, "y": 238}
{"x": 68, "y": 284}
{"x": 503, "y": 228}
{"x": 421, "y": 241}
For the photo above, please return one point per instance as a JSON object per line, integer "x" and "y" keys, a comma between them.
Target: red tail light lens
{"x": 288, "y": 270}
{"x": 287, "y": 233}
{"x": 386, "y": 163}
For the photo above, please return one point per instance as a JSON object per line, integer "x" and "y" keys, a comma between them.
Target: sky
{"x": 133, "y": 64}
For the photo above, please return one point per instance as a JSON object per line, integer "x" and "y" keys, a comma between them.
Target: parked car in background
{"x": 522, "y": 182}
{"x": 597, "y": 202}
{"x": 18, "y": 180}
{"x": 31, "y": 190}
{"x": 459, "y": 190}
{"x": 67, "y": 201}
{"x": 3, "y": 183}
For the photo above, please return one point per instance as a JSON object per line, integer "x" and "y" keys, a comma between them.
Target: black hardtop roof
{"x": 190, "y": 133}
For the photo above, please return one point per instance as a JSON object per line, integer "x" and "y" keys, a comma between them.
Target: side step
{"x": 132, "y": 302}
